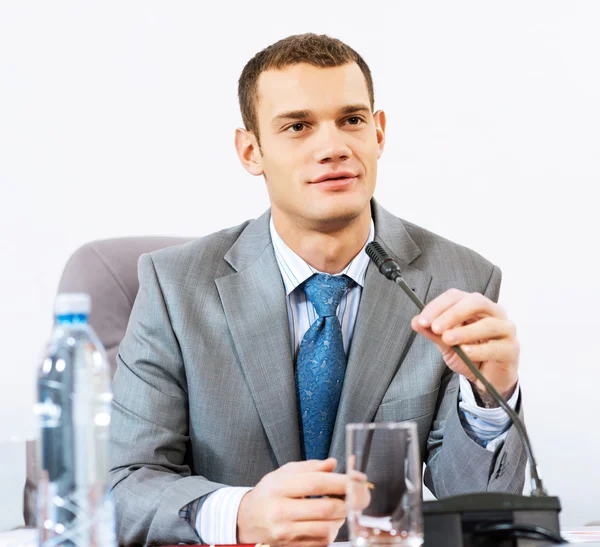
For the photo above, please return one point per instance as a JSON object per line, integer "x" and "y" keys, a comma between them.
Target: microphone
{"x": 512, "y": 515}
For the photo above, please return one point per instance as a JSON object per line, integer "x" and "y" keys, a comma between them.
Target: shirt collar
{"x": 295, "y": 271}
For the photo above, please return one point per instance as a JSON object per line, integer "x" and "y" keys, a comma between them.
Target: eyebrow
{"x": 354, "y": 108}
{"x": 303, "y": 114}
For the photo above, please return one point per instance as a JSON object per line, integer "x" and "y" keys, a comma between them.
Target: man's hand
{"x": 482, "y": 329}
{"x": 278, "y": 512}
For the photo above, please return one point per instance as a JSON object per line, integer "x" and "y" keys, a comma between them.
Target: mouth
{"x": 336, "y": 180}
{"x": 334, "y": 176}
{"x": 338, "y": 183}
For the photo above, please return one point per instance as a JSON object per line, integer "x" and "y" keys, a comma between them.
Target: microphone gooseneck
{"x": 390, "y": 269}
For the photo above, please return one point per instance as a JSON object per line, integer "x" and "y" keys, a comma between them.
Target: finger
{"x": 309, "y": 466}
{"x": 313, "y": 484}
{"x": 426, "y": 332}
{"x": 313, "y": 509}
{"x": 357, "y": 476}
{"x": 470, "y": 307}
{"x": 483, "y": 329}
{"x": 359, "y": 496}
{"x": 438, "y": 305}
{"x": 451, "y": 358}
{"x": 493, "y": 350}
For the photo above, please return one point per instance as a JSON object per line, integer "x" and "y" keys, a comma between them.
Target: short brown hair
{"x": 318, "y": 50}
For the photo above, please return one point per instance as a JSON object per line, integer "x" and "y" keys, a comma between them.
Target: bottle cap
{"x": 72, "y": 303}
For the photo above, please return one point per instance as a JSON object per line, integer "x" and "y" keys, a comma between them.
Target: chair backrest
{"x": 107, "y": 271}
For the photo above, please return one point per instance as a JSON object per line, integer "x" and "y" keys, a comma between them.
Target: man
{"x": 249, "y": 350}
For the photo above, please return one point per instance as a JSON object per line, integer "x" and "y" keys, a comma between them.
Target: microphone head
{"x": 376, "y": 253}
{"x": 384, "y": 262}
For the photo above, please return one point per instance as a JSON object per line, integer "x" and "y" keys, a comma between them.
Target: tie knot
{"x": 325, "y": 291}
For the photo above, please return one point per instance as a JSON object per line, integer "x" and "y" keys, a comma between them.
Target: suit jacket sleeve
{"x": 455, "y": 463}
{"x": 150, "y": 478}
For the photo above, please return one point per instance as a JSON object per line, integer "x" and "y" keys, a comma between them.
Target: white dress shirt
{"x": 216, "y": 520}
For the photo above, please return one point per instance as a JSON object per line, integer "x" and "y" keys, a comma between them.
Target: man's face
{"x": 320, "y": 143}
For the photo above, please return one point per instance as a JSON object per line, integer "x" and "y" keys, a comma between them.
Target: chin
{"x": 339, "y": 214}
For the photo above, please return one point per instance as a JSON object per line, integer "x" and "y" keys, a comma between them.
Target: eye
{"x": 355, "y": 120}
{"x": 296, "y": 128}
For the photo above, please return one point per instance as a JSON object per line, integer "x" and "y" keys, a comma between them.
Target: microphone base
{"x": 490, "y": 519}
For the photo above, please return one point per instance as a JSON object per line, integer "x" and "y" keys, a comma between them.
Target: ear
{"x": 248, "y": 151}
{"x": 380, "y": 122}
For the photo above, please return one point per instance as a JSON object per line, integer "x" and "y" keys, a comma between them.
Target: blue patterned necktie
{"x": 321, "y": 364}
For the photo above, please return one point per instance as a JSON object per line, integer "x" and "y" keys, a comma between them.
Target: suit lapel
{"x": 382, "y": 334}
{"x": 255, "y": 307}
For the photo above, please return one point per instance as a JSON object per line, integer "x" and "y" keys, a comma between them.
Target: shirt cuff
{"x": 488, "y": 427}
{"x": 216, "y": 522}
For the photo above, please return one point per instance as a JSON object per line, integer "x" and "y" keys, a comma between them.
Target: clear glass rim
{"x": 370, "y": 426}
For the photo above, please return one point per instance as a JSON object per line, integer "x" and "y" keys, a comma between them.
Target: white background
{"x": 117, "y": 118}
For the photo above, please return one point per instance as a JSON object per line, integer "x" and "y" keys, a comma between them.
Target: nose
{"x": 331, "y": 146}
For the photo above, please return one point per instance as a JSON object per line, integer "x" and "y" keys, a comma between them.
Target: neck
{"x": 327, "y": 249}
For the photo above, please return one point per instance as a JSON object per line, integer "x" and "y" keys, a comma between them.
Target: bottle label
{"x": 48, "y": 413}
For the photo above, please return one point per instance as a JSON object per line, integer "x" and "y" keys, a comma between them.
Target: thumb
{"x": 326, "y": 465}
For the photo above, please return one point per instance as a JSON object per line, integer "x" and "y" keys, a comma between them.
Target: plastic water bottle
{"x": 73, "y": 409}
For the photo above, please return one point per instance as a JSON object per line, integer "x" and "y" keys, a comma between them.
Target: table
{"x": 27, "y": 537}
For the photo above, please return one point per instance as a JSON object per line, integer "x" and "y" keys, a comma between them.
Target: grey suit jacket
{"x": 204, "y": 389}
